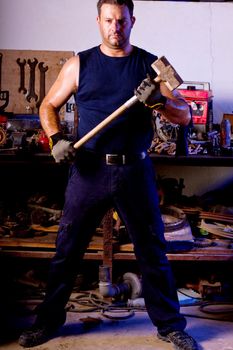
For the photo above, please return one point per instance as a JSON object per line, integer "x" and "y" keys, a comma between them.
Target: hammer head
{"x": 166, "y": 73}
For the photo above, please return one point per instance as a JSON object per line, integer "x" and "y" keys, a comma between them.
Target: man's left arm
{"x": 175, "y": 109}
{"x": 168, "y": 103}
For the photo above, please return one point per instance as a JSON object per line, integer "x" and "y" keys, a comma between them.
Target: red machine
{"x": 199, "y": 97}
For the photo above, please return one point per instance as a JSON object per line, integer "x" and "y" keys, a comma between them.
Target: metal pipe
{"x": 106, "y": 288}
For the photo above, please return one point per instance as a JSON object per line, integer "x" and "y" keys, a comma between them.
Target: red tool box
{"x": 199, "y": 97}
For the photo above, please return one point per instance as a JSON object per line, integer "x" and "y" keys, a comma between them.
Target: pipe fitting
{"x": 131, "y": 284}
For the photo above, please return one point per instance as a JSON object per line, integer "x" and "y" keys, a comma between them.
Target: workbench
{"x": 29, "y": 172}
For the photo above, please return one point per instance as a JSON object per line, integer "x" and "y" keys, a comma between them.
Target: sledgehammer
{"x": 165, "y": 72}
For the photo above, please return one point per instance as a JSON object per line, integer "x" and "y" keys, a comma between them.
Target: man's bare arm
{"x": 64, "y": 86}
{"x": 176, "y": 108}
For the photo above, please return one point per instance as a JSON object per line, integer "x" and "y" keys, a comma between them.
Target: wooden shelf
{"x": 44, "y": 247}
{"x": 40, "y": 254}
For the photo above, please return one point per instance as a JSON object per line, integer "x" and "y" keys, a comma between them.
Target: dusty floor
{"x": 212, "y": 327}
{"x": 92, "y": 331}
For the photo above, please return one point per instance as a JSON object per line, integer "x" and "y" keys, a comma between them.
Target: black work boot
{"x": 40, "y": 331}
{"x": 180, "y": 339}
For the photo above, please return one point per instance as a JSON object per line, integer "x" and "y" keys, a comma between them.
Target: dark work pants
{"x": 92, "y": 189}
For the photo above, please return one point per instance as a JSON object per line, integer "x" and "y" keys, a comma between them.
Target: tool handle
{"x": 106, "y": 121}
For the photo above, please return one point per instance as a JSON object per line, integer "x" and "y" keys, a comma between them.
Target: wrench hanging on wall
{"x": 31, "y": 93}
{"x": 42, "y": 83}
{"x": 4, "y": 95}
{"x": 22, "y": 75}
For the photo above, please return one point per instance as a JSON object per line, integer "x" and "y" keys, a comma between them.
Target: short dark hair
{"x": 128, "y": 3}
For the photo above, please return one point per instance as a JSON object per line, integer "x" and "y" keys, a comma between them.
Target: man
{"x": 111, "y": 170}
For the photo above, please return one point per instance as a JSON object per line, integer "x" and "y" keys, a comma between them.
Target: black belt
{"x": 123, "y": 159}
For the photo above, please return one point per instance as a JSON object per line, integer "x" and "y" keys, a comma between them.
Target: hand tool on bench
{"x": 22, "y": 76}
{"x": 4, "y": 95}
{"x": 165, "y": 73}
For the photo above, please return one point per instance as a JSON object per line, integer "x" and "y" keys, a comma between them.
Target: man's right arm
{"x": 64, "y": 86}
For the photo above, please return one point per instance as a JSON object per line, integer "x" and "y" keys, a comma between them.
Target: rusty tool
{"x": 31, "y": 93}
{"x": 42, "y": 83}
{"x": 165, "y": 72}
{"x": 22, "y": 76}
{"x": 4, "y": 95}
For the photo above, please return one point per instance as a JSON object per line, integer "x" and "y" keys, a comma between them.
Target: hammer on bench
{"x": 165, "y": 72}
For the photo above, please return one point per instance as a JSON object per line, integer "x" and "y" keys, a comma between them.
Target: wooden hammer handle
{"x": 106, "y": 121}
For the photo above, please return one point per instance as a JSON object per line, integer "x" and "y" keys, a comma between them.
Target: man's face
{"x": 115, "y": 24}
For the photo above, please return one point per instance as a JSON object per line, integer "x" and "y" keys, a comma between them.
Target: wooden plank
{"x": 200, "y": 257}
{"x": 35, "y": 254}
{"x": 182, "y": 256}
{"x": 217, "y": 216}
{"x": 198, "y": 254}
{"x": 212, "y": 249}
{"x": 38, "y": 254}
{"x": 18, "y": 103}
{"x": 47, "y": 241}
{"x": 43, "y": 242}
{"x": 26, "y": 254}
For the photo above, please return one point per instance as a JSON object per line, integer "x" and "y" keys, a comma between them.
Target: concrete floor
{"x": 93, "y": 331}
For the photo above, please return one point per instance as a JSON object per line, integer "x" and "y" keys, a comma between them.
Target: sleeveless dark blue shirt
{"x": 105, "y": 83}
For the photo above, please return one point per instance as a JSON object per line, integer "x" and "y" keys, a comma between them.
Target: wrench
{"x": 22, "y": 75}
{"x": 42, "y": 82}
{"x": 4, "y": 95}
{"x": 31, "y": 94}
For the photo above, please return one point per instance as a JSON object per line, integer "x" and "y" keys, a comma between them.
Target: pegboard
{"x": 11, "y": 78}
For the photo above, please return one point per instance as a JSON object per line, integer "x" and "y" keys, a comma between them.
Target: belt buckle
{"x": 110, "y": 159}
